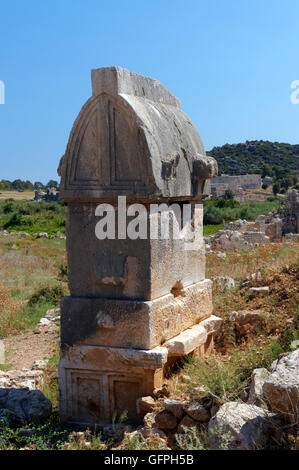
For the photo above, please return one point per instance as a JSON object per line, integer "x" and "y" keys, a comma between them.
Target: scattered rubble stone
{"x": 185, "y": 378}
{"x": 186, "y": 422}
{"x": 25, "y": 378}
{"x": 197, "y": 412}
{"x": 281, "y": 388}
{"x": 52, "y": 316}
{"x": 175, "y": 407}
{"x": 39, "y": 365}
{"x": 247, "y": 320}
{"x": 145, "y": 405}
{"x": 294, "y": 344}
{"x": 241, "y": 234}
{"x": 223, "y": 284}
{"x": 252, "y": 277}
{"x": 23, "y": 406}
{"x": 149, "y": 420}
{"x": 161, "y": 392}
{"x": 116, "y": 431}
{"x": 23, "y": 234}
{"x": 199, "y": 390}
{"x": 290, "y": 237}
{"x": 165, "y": 420}
{"x": 262, "y": 291}
{"x": 258, "y": 378}
{"x": 44, "y": 322}
{"x": 239, "y": 426}
{"x": 43, "y": 235}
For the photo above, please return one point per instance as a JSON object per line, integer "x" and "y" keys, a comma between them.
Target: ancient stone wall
{"x": 221, "y": 183}
{"x": 50, "y": 195}
{"x": 289, "y": 213}
{"x": 241, "y": 234}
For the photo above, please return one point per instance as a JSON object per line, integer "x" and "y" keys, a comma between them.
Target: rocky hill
{"x": 252, "y": 156}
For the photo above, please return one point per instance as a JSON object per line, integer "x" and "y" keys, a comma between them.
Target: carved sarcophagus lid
{"x": 131, "y": 138}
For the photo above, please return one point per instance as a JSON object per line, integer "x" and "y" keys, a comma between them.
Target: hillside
{"x": 251, "y": 156}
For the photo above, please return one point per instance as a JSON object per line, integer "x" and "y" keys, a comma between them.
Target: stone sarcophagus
{"x": 139, "y": 298}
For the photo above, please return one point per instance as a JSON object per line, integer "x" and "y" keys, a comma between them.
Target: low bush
{"x": 51, "y": 294}
{"x": 218, "y": 211}
{"x": 33, "y": 217}
{"x": 224, "y": 378}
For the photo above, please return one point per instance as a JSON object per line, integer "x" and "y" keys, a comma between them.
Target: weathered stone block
{"x": 145, "y": 405}
{"x": 135, "y": 324}
{"x": 281, "y": 388}
{"x": 175, "y": 407}
{"x": 197, "y": 412}
{"x": 142, "y": 269}
{"x": 186, "y": 341}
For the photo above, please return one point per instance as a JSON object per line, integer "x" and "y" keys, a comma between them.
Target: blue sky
{"x": 231, "y": 62}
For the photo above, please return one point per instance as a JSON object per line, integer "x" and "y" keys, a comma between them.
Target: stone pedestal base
{"x": 115, "y": 351}
{"x": 97, "y": 382}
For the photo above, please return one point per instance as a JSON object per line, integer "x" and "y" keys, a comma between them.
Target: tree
{"x": 276, "y": 188}
{"x": 18, "y": 184}
{"x": 287, "y": 182}
{"x": 266, "y": 170}
{"x": 52, "y": 184}
{"x": 38, "y": 185}
{"x": 228, "y": 194}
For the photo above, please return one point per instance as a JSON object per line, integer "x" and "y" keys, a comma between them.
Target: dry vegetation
{"x": 26, "y": 267}
{"x": 18, "y": 196}
{"x": 227, "y": 373}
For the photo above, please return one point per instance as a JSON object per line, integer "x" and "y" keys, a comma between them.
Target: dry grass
{"x": 18, "y": 196}
{"x": 240, "y": 265}
{"x": 27, "y": 264}
{"x": 274, "y": 262}
{"x": 9, "y": 308}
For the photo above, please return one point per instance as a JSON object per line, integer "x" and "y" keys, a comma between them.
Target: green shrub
{"x": 13, "y": 221}
{"x": 51, "y": 294}
{"x": 8, "y": 207}
{"x": 218, "y": 210}
{"x": 33, "y": 217}
{"x": 24, "y": 318}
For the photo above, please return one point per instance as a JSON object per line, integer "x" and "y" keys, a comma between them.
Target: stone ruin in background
{"x": 237, "y": 183}
{"x": 289, "y": 213}
{"x": 50, "y": 195}
{"x": 240, "y": 234}
{"x": 136, "y": 306}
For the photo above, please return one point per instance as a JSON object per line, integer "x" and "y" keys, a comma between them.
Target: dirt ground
{"x": 23, "y": 349}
